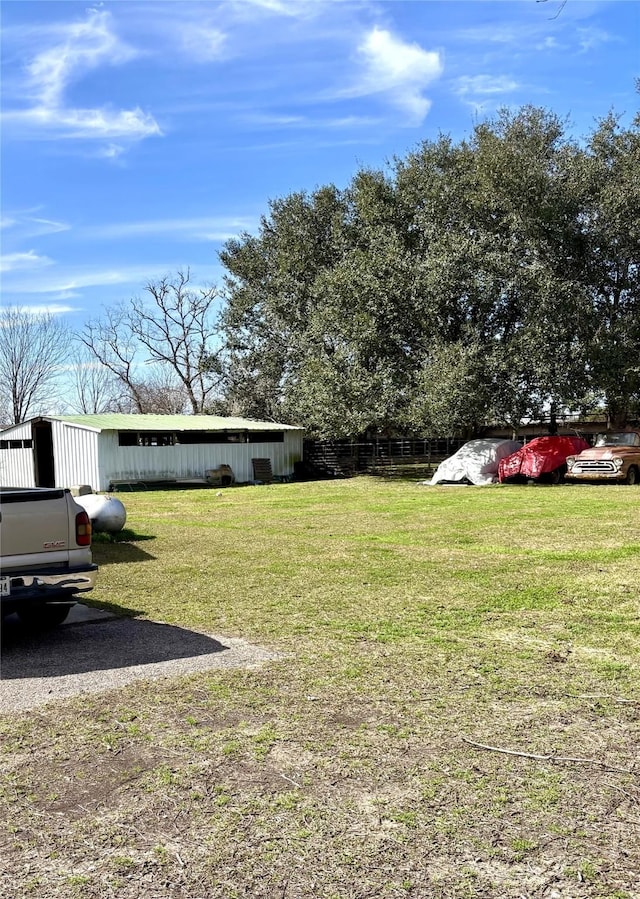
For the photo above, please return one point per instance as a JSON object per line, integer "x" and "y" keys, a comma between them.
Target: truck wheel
{"x": 632, "y": 475}
{"x": 43, "y": 615}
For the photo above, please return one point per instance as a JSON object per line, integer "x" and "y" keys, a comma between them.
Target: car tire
{"x": 557, "y": 475}
{"x": 44, "y": 615}
{"x": 632, "y": 475}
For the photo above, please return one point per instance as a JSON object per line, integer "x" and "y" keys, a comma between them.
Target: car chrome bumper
{"x": 46, "y": 585}
{"x": 595, "y": 476}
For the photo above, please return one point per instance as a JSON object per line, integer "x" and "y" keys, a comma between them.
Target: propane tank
{"x": 106, "y": 512}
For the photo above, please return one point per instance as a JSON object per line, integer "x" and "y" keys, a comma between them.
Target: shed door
{"x": 43, "y": 454}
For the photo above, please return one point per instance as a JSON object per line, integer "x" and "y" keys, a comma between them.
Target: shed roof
{"x": 123, "y": 422}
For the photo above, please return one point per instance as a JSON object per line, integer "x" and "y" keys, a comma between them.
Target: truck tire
{"x": 43, "y": 615}
{"x": 632, "y": 475}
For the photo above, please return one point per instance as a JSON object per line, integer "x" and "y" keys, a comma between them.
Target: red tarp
{"x": 540, "y": 456}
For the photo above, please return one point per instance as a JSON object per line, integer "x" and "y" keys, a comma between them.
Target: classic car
{"x": 615, "y": 456}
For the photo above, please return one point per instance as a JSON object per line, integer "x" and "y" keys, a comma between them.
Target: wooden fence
{"x": 393, "y": 457}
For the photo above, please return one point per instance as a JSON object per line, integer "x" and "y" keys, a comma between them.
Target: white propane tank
{"x": 106, "y": 512}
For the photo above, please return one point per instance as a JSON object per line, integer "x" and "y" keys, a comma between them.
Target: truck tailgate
{"x": 32, "y": 532}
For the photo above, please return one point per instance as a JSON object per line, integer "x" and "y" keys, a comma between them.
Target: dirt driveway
{"x": 94, "y": 652}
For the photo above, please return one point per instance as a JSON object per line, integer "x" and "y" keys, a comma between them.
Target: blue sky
{"x": 138, "y": 136}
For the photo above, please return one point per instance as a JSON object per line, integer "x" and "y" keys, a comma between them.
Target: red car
{"x": 542, "y": 459}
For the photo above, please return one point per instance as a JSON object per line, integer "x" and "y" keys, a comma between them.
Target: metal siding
{"x": 17, "y": 432}
{"x": 75, "y": 452}
{"x": 107, "y": 457}
{"x": 150, "y": 462}
{"x": 16, "y": 468}
{"x": 84, "y": 456}
{"x": 16, "y": 465}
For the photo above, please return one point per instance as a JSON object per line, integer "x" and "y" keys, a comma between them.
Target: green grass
{"x": 408, "y": 618}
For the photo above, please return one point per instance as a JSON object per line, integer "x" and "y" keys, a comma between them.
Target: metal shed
{"x": 105, "y": 451}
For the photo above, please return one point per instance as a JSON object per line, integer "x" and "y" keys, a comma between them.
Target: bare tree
{"x": 109, "y": 340}
{"x": 94, "y": 388}
{"x": 173, "y": 329}
{"x": 33, "y": 348}
{"x": 163, "y": 394}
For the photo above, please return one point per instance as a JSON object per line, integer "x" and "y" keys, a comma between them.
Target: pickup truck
{"x": 615, "y": 456}
{"x": 45, "y": 554}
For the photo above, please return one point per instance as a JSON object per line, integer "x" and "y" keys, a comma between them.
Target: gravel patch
{"x": 95, "y": 653}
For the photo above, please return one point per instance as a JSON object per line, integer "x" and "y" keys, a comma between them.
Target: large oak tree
{"x": 494, "y": 279}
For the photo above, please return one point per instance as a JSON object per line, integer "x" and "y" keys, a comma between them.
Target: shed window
{"x": 265, "y": 437}
{"x": 146, "y": 438}
{"x": 159, "y": 439}
{"x": 16, "y": 444}
{"x": 190, "y": 437}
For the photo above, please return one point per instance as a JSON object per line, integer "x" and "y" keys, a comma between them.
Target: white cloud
{"x": 350, "y": 122}
{"x": 290, "y": 8}
{"x": 46, "y": 226}
{"x": 199, "y": 228}
{"x": 82, "y": 46}
{"x": 201, "y": 43}
{"x": 526, "y": 36}
{"x": 10, "y": 262}
{"x": 84, "y": 279}
{"x": 485, "y": 93}
{"x": 590, "y": 38}
{"x": 485, "y": 85}
{"x": 102, "y": 124}
{"x": 111, "y": 151}
{"x": 67, "y": 281}
{"x": 278, "y": 6}
{"x": 275, "y": 120}
{"x": 302, "y": 123}
{"x": 549, "y": 43}
{"x": 66, "y": 295}
{"x": 496, "y": 33}
{"x": 47, "y": 309}
{"x": 24, "y": 225}
{"x": 400, "y": 70}
{"x": 77, "y": 49}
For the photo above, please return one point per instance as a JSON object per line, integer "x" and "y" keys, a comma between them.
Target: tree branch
{"x": 548, "y": 758}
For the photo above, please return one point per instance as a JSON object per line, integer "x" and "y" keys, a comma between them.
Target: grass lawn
{"x": 414, "y": 623}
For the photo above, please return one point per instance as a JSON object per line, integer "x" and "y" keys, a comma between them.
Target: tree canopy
{"x": 490, "y": 280}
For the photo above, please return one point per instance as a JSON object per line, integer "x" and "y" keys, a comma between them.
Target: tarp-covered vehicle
{"x": 542, "y": 459}
{"x": 475, "y": 463}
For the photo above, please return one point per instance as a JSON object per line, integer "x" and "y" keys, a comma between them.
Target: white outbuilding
{"x": 113, "y": 451}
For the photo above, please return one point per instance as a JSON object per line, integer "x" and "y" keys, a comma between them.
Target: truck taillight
{"x": 83, "y": 529}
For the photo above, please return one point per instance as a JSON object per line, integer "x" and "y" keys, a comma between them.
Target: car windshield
{"x": 622, "y": 438}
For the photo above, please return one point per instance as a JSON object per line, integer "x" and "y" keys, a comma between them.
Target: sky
{"x": 137, "y": 137}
